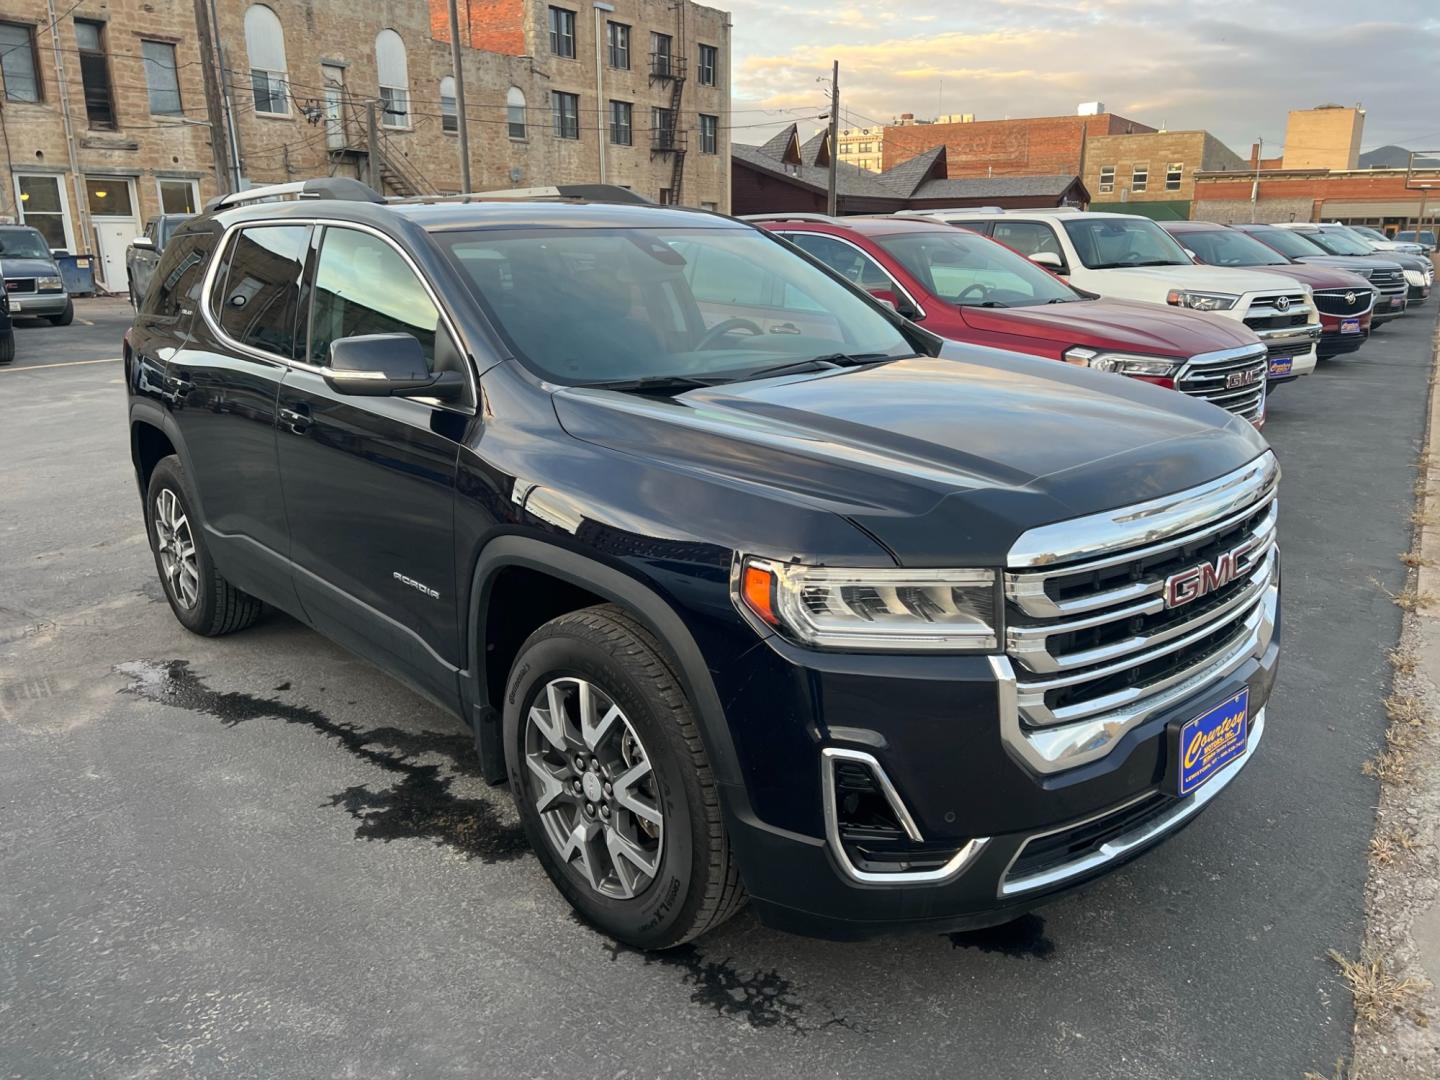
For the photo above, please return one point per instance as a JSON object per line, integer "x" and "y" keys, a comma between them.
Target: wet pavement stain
{"x": 762, "y": 999}
{"x": 1025, "y": 938}
{"x": 420, "y": 805}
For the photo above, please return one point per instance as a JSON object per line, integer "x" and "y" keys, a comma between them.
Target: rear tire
{"x": 201, "y": 598}
{"x": 7, "y": 346}
{"x": 636, "y": 795}
{"x": 66, "y": 317}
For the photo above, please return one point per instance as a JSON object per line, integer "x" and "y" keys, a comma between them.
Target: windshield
{"x": 1423, "y": 237}
{"x": 1340, "y": 242}
{"x": 1287, "y": 242}
{"x": 1226, "y": 247}
{"x": 1107, "y": 243}
{"x": 22, "y": 244}
{"x": 597, "y": 306}
{"x": 969, "y": 270}
{"x": 1367, "y": 233}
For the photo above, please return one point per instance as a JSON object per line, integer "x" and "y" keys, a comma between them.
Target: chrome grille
{"x": 1344, "y": 302}
{"x": 1278, "y": 311}
{"x": 1233, "y": 380}
{"x": 1099, "y": 643}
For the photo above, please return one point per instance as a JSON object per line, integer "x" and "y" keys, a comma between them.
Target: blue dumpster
{"x": 78, "y": 273}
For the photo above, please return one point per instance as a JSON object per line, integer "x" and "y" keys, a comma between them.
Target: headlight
{"x": 864, "y": 609}
{"x": 1154, "y": 367}
{"x": 1201, "y": 301}
{"x": 48, "y": 284}
{"x": 1415, "y": 277}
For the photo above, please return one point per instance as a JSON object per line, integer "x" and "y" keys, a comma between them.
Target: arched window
{"x": 515, "y": 112}
{"x": 394, "y": 77}
{"x": 265, "y": 45}
{"x": 449, "y": 116}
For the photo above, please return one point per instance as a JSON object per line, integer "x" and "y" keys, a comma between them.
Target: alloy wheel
{"x": 175, "y": 544}
{"x": 594, "y": 788}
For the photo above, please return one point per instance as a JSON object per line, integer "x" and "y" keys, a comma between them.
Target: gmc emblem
{"x": 1241, "y": 378}
{"x": 1190, "y": 584}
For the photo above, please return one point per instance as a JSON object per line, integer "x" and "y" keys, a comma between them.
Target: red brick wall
{"x": 1032, "y": 147}
{"x": 496, "y": 26}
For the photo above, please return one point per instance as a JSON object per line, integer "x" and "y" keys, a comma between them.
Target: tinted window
{"x": 1339, "y": 242}
{"x": 258, "y": 288}
{"x": 364, "y": 286}
{"x": 1027, "y": 237}
{"x": 972, "y": 271}
{"x": 1226, "y": 247}
{"x": 844, "y": 259}
{"x": 1287, "y": 242}
{"x": 178, "y": 278}
{"x": 1105, "y": 242}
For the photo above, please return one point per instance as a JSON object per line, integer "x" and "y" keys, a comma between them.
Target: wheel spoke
{"x": 626, "y": 795}
{"x": 579, "y": 847}
{"x": 594, "y": 733}
{"x": 630, "y": 859}
{"x": 552, "y": 788}
{"x": 550, "y": 724}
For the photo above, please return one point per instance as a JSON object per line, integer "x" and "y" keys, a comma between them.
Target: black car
{"x": 143, "y": 254}
{"x": 803, "y": 604}
{"x": 7, "y": 332}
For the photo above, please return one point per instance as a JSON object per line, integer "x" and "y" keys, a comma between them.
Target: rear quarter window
{"x": 175, "y": 287}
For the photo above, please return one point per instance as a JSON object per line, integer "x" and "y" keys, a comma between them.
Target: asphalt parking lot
{"x": 257, "y": 856}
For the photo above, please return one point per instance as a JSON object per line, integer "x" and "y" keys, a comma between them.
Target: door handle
{"x": 297, "y": 419}
{"x": 785, "y": 328}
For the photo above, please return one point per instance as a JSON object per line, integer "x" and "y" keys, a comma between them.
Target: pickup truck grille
{"x": 19, "y": 285}
{"x": 1100, "y": 643}
{"x": 1388, "y": 280}
{"x": 1344, "y": 302}
{"x": 1278, "y": 312}
{"x": 1235, "y": 383}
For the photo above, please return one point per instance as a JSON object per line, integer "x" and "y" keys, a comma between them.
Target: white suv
{"x": 1131, "y": 258}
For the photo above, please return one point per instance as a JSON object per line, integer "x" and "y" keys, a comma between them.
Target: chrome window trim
{"x": 788, "y": 233}
{"x": 208, "y": 296}
{"x": 1146, "y": 522}
{"x": 1222, "y": 356}
{"x": 958, "y": 862}
{"x": 1138, "y": 837}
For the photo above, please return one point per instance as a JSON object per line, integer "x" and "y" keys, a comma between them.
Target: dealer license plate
{"x": 1210, "y": 741}
{"x": 1350, "y": 326}
{"x": 1281, "y": 366}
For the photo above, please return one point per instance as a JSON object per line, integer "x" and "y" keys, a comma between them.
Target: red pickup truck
{"x": 969, "y": 288}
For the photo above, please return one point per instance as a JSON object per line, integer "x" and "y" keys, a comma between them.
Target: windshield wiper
{"x": 651, "y": 384}
{"x": 816, "y": 363}
{"x": 841, "y": 359}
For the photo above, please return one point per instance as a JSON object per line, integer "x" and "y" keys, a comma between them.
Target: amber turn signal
{"x": 758, "y": 588}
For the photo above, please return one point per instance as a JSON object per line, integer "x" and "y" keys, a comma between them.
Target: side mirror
{"x": 1049, "y": 260}
{"x": 1191, "y": 254}
{"x": 387, "y": 365}
{"x": 143, "y": 243}
{"x": 894, "y": 302}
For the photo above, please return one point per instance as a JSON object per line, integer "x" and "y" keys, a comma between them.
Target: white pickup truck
{"x": 1130, "y": 257}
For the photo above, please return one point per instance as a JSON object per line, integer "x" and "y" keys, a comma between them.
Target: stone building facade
{"x": 118, "y": 111}
{"x": 863, "y": 147}
{"x": 1152, "y": 173}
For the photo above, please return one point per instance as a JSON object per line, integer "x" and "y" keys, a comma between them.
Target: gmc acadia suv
{"x": 747, "y": 585}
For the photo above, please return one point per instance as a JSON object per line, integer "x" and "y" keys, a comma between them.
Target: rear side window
{"x": 1027, "y": 237}
{"x": 364, "y": 286}
{"x": 175, "y": 288}
{"x": 844, "y": 259}
{"x": 257, "y": 290}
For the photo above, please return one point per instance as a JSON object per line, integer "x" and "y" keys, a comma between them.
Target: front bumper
{"x": 27, "y": 305}
{"x": 1334, "y": 343}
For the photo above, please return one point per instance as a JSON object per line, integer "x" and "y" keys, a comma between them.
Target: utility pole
{"x": 213, "y": 111}
{"x": 460, "y": 120}
{"x": 831, "y": 199}
{"x": 372, "y": 143}
{"x": 1255, "y": 185}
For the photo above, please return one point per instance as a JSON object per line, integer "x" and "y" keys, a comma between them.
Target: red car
{"x": 1345, "y": 301}
{"x": 966, "y": 287}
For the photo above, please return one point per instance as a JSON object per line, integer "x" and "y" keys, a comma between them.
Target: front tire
{"x": 612, "y": 783}
{"x": 201, "y": 598}
{"x": 7, "y": 346}
{"x": 66, "y": 317}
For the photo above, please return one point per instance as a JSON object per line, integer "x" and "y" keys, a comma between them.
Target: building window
{"x": 661, "y": 59}
{"x": 621, "y": 123}
{"x": 18, "y": 62}
{"x": 710, "y": 206}
{"x": 562, "y": 32}
{"x": 617, "y": 36}
{"x": 42, "y": 206}
{"x": 1173, "y": 172}
{"x": 265, "y": 45}
{"x": 565, "y": 109}
{"x": 393, "y": 72}
{"x": 449, "y": 115}
{"x": 667, "y": 197}
{"x": 708, "y": 57}
{"x": 178, "y": 196}
{"x": 108, "y": 196}
{"x": 515, "y": 112}
{"x": 162, "y": 78}
{"x": 709, "y": 130}
{"x": 662, "y": 128}
{"x": 1107, "y": 179}
{"x": 95, "y": 74}
{"x": 1139, "y": 177}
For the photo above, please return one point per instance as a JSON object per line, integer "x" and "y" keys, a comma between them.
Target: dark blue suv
{"x": 748, "y": 586}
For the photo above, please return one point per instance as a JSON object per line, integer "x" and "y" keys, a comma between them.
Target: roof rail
{"x": 934, "y": 210}
{"x": 826, "y": 218}
{"x": 612, "y": 193}
{"x": 322, "y": 187}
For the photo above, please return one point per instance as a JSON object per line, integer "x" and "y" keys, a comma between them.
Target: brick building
{"x": 1385, "y": 198}
{"x": 1037, "y": 146}
{"x": 118, "y": 111}
{"x": 1152, "y": 173}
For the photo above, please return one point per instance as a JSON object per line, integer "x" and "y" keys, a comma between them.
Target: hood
{"x": 1128, "y": 325}
{"x": 11, "y": 267}
{"x": 1159, "y": 279}
{"x": 1321, "y": 277}
{"x": 1409, "y": 262}
{"x": 940, "y": 458}
{"x": 1357, "y": 264}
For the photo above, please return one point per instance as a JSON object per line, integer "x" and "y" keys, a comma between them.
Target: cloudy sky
{"x": 1234, "y": 67}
